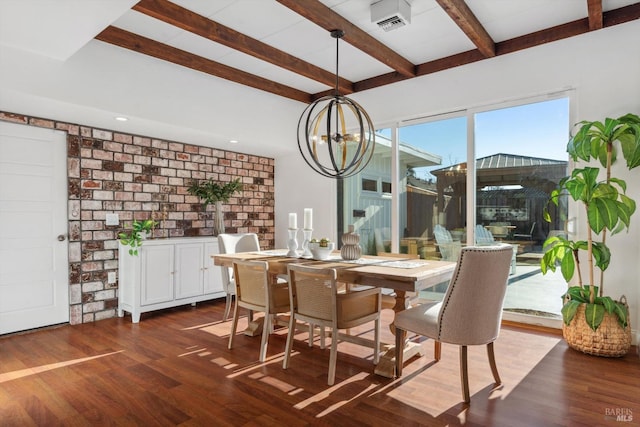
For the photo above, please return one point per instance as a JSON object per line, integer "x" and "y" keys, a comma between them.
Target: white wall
{"x": 602, "y": 67}
{"x": 299, "y": 187}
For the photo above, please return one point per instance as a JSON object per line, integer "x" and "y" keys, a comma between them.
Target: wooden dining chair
{"x": 470, "y": 312}
{"x": 314, "y": 298}
{"x": 255, "y": 292}
{"x": 231, "y": 244}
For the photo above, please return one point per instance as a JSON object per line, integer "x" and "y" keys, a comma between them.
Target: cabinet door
{"x": 189, "y": 270}
{"x": 212, "y": 274}
{"x": 157, "y": 274}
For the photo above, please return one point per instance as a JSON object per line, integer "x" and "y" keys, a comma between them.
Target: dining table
{"x": 406, "y": 277}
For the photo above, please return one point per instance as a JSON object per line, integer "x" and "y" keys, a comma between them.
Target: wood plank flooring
{"x": 174, "y": 368}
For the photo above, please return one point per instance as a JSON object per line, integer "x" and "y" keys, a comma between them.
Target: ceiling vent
{"x": 391, "y": 14}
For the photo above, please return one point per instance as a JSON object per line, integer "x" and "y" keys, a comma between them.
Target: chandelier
{"x": 335, "y": 134}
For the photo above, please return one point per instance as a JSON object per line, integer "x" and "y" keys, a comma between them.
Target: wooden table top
{"x": 386, "y": 272}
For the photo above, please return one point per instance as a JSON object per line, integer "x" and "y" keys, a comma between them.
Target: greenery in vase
{"x": 607, "y": 208}
{"x": 210, "y": 191}
{"x": 133, "y": 238}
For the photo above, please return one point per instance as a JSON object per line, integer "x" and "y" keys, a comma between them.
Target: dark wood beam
{"x": 469, "y": 24}
{"x": 323, "y": 16}
{"x": 180, "y": 17}
{"x": 559, "y": 32}
{"x": 622, "y": 15}
{"x": 135, "y": 42}
{"x": 594, "y": 10}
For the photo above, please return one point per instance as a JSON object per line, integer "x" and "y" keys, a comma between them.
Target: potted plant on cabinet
{"x": 592, "y": 322}
{"x": 134, "y": 237}
{"x": 212, "y": 192}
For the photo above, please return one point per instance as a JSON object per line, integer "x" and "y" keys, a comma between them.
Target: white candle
{"x": 293, "y": 220}
{"x": 308, "y": 219}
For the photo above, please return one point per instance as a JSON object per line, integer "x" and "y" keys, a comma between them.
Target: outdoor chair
{"x": 255, "y": 292}
{"x": 231, "y": 244}
{"x": 314, "y": 298}
{"x": 470, "y": 312}
{"x": 528, "y": 236}
{"x": 449, "y": 249}
{"x": 485, "y": 237}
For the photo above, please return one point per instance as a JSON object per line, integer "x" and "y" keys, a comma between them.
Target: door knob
{"x": 61, "y": 237}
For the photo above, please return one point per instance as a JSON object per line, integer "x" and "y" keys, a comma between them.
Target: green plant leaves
{"x": 211, "y": 191}
{"x": 133, "y": 238}
{"x": 594, "y": 139}
{"x": 594, "y": 313}
{"x": 622, "y": 312}
{"x": 607, "y": 208}
{"x": 569, "y": 311}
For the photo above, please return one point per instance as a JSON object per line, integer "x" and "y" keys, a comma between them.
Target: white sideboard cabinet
{"x": 167, "y": 273}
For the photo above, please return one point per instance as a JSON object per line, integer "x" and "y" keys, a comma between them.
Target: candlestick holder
{"x": 292, "y": 243}
{"x": 306, "y": 252}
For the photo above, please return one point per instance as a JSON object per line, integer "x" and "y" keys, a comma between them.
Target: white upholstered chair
{"x": 470, "y": 312}
{"x": 255, "y": 292}
{"x": 231, "y": 244}
{"x": 314, "y": 298}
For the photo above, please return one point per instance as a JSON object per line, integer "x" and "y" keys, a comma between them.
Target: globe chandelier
{"x": 335, "y": 134}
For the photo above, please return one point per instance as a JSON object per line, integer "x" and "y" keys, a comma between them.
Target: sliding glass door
{"x": 520, "y": 157}
{"x": 433, "y": 195}
{"x": 435, "y": 201}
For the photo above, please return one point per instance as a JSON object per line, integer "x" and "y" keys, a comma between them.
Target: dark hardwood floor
{"x": 174, "y": 368}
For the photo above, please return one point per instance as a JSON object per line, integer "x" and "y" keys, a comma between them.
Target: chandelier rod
{"x": 337, "y": 34}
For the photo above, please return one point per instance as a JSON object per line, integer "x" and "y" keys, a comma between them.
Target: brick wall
{"x": 139, "y": 178}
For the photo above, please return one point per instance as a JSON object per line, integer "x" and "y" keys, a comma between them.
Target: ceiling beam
{"x": 622, "y": 15}
{"x": 469, "y": 24}
{"x": 594, "y": 10}
{"x": 162, "y": 51}
{"x": 559, "y": 32}
{"x": 135, "y": 42}
{"x": 180, "y": 17}
{"x": 325, "y": 17}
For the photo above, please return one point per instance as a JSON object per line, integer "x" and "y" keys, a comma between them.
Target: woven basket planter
{"x": 609, "y": 340}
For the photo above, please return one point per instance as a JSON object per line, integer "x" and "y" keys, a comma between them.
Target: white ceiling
{"x": 51, "y": 66}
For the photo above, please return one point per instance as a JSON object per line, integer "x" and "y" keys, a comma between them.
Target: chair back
{"x": 449, "y": 249}
{"x": 234, "y": 243}
{"x": 442, "y": 234}
{"x": 483, "y": 236}
{"x": 381, "y": 235}
{"x": 472, "y": 306}
{"x": 312, "y": 292}
{"x": 251, "y": 279}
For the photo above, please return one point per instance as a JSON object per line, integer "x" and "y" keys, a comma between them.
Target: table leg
{"x": 254, "y": 328}
{"x": 387, "y": 365}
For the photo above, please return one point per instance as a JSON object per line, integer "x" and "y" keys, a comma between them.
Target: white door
{"x": 34, "y": 279}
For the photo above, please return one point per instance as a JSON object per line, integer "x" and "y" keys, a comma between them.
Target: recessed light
{"x": 233, "y": 141}
{"x": 121, "y": 119}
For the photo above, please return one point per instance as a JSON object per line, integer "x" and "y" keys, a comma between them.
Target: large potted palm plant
{"x": 593, "y": 322}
